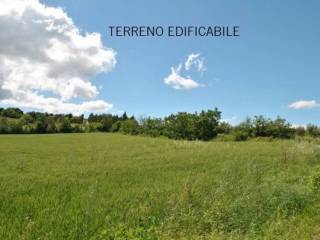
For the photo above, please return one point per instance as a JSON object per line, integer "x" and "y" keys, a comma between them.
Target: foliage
{"x": 153, "y": 127}
{"x": 241, "y": 135}
{"x": 129, "y": 126}
{"x": 313, "y": 130}
{"x": 11, "y": 113}
{"x": 64, "y": 126}
{"x": 263, "y": 127}
{"x": 224, "y": 128}
{"x": 115, "y": 126}
{"x": 205, "y": 125}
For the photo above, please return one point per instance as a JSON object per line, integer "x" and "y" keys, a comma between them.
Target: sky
{"x": 58, "y": 56}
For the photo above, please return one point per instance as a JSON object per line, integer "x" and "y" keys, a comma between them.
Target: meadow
{"x": 112, "y": 186}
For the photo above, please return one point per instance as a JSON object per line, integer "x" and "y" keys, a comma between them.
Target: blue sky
{"x": 272, "y": 64}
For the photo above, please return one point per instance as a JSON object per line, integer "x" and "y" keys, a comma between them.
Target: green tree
{"x": 261, "y": 126}
{"x": 124, "y": 116}
{"x": 64, "y": 126}
{"x": 207, "y": 124}
{"x": 115, "y": 126}
{"x": 224, "y": 128}
{"x": 41, "y": 124}
{"x": 181, "y": 126}
{"x": 106, "y": 123}
{"x": 4, "y": 125}
{"x": 280, "y": 128}
{"x": 153, "y": 127}
{"x": 77, "y": 119}
{"x": 300, "y": 131}
{"x": 313, "y": 130}
{"x": 129, "y": 126}
{"x": 12, "y": 113}
{"x": 246, "y": 126}
{"x": 50, "y": 125}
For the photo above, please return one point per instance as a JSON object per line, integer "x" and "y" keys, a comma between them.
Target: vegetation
{"x": 205, "y": 125}
{"x": 110, "y": 186}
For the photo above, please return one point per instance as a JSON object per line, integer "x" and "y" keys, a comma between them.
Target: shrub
{"x": 224, "y": 128}
{"x": 3, "y": 125}
{"x": 14, "y": 127}
{"x": 115, "y": 126}
{"x": 106, "y": 124}
{"x": 129, "y": 126}
{"x": 94, "y": 126}
{"x": 300, "y": 131}
{"x": 203, "y": 126}
{"x": 241, "y": 135}
{"x": 313, "y": 130}
{"x": 64, "y": 126}
{"x": 77, "y": 128}
{"x": 153, "y": 127}
{"x": 225, "y": 137}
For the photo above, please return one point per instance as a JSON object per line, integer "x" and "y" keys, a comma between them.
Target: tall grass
{"x": 101, "y": 186}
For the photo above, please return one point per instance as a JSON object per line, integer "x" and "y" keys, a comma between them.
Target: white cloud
{"x": 178, "y": 82}
{"x": 55, "y": 105}
{"x": 304, "y": 104}
{"x": 194, "y": 59}
{"x": 42, "y": 51}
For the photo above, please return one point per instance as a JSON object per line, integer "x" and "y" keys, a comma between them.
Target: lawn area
{"x": 110, "y": 186}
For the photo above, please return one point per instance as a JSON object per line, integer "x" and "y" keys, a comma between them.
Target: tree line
{"x": 205, "y": 125}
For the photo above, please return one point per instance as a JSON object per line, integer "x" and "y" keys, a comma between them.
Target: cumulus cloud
{"x": 42, "y": 52}
{"x": 194, "y": 59}
{"x": 177, "y": 81}
{"x": 304, "y": 104}
{"x": 56, "y": 105}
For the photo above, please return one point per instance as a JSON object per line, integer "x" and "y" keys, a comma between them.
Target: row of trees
{"x": 205, "y": 125}
{"x": 14, "y": 121}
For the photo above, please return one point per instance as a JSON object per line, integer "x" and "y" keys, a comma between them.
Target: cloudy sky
{"x": 56, "y": 56}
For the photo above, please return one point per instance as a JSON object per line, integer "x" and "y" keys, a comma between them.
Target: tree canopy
{"x": 205, "y": 125}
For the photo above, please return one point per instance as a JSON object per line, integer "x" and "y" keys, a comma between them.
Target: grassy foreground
{"x": 104, "y": 186}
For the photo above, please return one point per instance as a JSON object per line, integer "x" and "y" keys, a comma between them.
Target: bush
{"x": 77, "y": 128}
{"x": 129, "y": 126}
{"x": 14, "y": 127}
{"x": 94, "y": 126}
{"x": 203, "y": 126}
{"x": 115, "y": 126}
{"x": 106, "y": 124}
{"x": 241, "y": 135}
{"x": 207, "y": 124}
{"x": 3, "y": 125}
{"x": 152, "y": 127}
{"x": 225, "y": 137}
{"x": 313, "y": 130}
{"x": 224, "y": 128}
{"x": 65, "y": 126}
{"x": 29, "y": 128}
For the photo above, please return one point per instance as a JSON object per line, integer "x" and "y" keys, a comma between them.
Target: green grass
{"x": 108, "y": 186}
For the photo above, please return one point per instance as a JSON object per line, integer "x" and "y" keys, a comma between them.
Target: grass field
{"x": 108, "y": 186}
